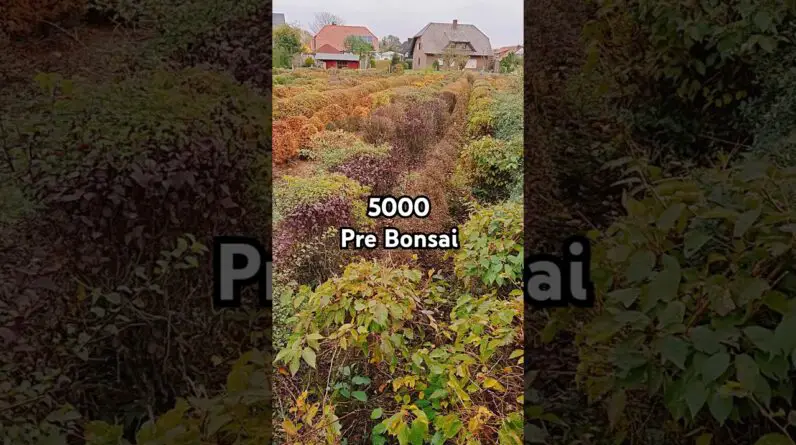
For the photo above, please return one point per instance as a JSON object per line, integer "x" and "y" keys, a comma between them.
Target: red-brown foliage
{"x": 284, "y": 143}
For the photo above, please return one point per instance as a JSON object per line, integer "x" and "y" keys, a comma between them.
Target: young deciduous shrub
{"x": 694, "y": 292}
{"x": 378, "y": 128}
{"x": 285, "y": 144}
{"x": 292, "y": 192}
{"x": 125, "y": 166}
{"x": 494, "y": 166}
{"x": 507, "y": 115}
{"x": 492, "y": 246}
{"x": 440, "y": 387}
{"x": 307, "y": 213}
{"x": 343, "y": 152}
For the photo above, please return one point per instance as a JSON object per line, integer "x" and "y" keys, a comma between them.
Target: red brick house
{"x": 331, "y": 38}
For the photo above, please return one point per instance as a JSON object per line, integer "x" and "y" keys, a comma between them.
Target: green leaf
{"x": 669, "y": 217}
{"x": 294, "y": 365}
{"x": 693, "y": 241}
{"x": 767, "y": 43}
{"x": 666, "y": 283}
{"x": 695, "y": 396}
{"x": 774, "y": 439}
{"x": 674, "y": 350}
{"x": 438, "y": 394}
{"x": 418, "y": 432}
{"x": 625, "y": 296}
{"x": 534, "y": 434}
{"x": 64, "y": 414}
{"x": 785, "y": 334}
{"x": 674, "y": 313}
{"x": 360, "y": 380}
{"x": 747, "y": 371}
{"x": 761, "y": 337}
{"x": 448, "y": 424}
{"x": 753, "y": 289}
{"x": 380, "y": 313}
{"x": 705, "y": 339}
{"x": 360, "y": 395}
{"x": 720, "y": 407}
{"x": 641, "y": 264}
{"x": 715, "y": 366}
{"x": 762, "y": 20}
{"x": 376, "y": 413}
{"x": 309, "y": 356}
{"x": 745, "y": 221}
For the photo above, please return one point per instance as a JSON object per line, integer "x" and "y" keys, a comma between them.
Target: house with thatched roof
{"x": 440, "y": 41}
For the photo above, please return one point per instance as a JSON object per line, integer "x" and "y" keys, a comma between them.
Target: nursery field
{"x": 388, "y": 345}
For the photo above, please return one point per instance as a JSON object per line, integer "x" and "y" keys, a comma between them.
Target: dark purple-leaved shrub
{"x": 302, "y": 239}
{"x": 110, "y": 210}
{"x": 375, "y": 172}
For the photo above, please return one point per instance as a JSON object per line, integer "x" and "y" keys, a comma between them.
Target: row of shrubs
{"x": 292, "y": 134}
{"x": 289, "y": 85}
{"x": 310, "y": 101}
{"x": 377, "y": 324}
{"x": 491, "y": 164}
{"x": 349, "y": 168}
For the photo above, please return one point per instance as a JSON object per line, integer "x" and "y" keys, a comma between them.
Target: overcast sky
{"x": 500, "y": 20}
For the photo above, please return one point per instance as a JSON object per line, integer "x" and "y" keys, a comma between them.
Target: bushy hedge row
{"x": 309, "y": 102}
{"x": 491, "y": 164}
{"x": 307, "y": 214}
{"x": 291, "y": 134}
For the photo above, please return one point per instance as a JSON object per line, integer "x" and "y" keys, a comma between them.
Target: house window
{"x": 342, "y": 64}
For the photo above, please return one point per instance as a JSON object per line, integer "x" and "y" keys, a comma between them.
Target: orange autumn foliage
{"x": 285, "y": 143}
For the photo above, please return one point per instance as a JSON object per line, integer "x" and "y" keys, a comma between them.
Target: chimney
{"x": 455, "y": 22}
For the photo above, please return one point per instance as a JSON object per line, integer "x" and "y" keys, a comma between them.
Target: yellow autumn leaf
{"x": 493, "y": 384}
{"x": 311, "y": 414}
{"x": 289, "y": 427}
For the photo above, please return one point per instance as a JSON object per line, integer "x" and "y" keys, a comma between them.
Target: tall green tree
{"x": 287, "y": 43}
{"x": 358, "y": 46}
{"x": 510, "y": 63}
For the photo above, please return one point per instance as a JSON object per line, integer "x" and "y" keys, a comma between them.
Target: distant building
{"x": 436, "y": 39}
{"x": 331, "y": 38}
{"x": 278, "y": 19}
{"x": 387, "y": 55}
{"x": 502, "y": 52}
{"x": 338, "y": 60}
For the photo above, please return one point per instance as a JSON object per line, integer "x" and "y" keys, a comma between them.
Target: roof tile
{"x": 335, "y": 35}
